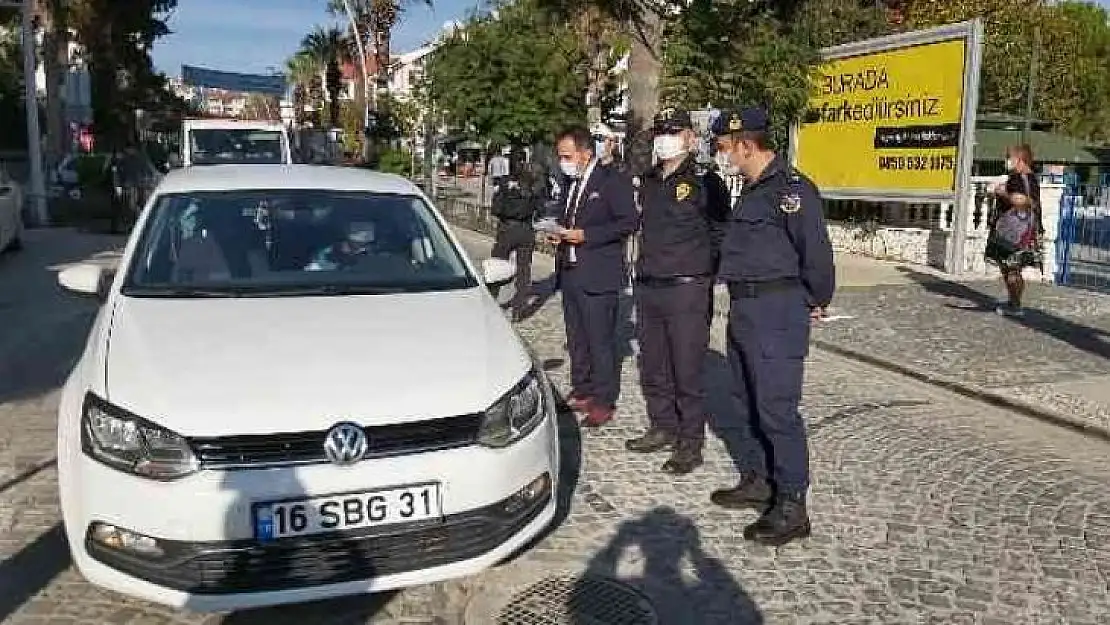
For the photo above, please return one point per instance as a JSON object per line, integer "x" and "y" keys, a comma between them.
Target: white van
{"x": 234, "y": 142}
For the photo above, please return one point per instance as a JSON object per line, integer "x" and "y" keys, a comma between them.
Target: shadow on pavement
{"x": 670, "y": 548}
{"x": 29, "y": 571}
{"x": 1081, "y": 337}
{"x": 44, "y": 329}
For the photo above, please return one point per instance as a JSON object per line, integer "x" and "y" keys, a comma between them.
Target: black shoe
{"x": 654, "y": 440}
{"x": 753, "y": 492}
{"x": 787, "y": 520}
{"x": 686, "y": 458}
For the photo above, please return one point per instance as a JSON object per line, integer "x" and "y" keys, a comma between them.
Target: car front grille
{"x": 269, "y": 450}
{"x": 248, "y": 566}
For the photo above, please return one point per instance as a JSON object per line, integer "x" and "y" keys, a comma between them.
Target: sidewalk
{"x": 1054, "y": 362}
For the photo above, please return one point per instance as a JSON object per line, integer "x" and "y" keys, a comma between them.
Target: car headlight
{"x": 128, "y": 443}
{"x": 515, "y": 415}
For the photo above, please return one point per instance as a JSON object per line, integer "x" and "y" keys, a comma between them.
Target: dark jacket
{"x": 778, "y": 232}
{"x": 607, "y": 214}
{"x": 684, "y": 220}
{"x": 514, "y": 201}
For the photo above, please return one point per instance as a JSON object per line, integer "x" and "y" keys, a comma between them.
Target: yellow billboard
{"x": 888, "y": 122}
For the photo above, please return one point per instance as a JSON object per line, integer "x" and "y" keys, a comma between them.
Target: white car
{"x": 11, "y": 213}
{"x": 298, "y": 387}
{"x": 229, "y": 141}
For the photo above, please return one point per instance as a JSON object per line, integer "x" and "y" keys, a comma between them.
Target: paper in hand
{"x": 548, "y": 226}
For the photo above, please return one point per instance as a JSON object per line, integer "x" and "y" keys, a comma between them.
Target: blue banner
{"x": 228, "y": 81}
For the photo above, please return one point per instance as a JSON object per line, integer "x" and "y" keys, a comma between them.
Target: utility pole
{"x": 37, "y": 196}
{"x": 1031, "y": 92}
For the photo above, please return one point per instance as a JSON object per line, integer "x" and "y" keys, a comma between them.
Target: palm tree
{"x": 329, "y": 49}
{"x": 304, "y": 74}
{"x": 376, "y": 20}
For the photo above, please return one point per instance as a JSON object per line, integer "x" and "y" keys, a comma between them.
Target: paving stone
{"x": 927, "y": 507}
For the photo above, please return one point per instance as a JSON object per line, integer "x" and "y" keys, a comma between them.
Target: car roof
{"x": 234, "y": 124}
{"x": 248, "y": 177}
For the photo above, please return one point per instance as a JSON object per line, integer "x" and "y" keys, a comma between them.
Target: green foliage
{"x": 518, "y": 78}
{"x": 395, "y": 161}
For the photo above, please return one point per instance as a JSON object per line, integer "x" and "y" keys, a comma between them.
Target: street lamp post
{"x": 34, "y": 147}
{"x": 362, "y": 64}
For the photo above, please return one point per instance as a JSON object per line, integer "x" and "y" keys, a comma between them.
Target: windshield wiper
{"x": 179, "y": 292}
{"x": 321, "y": 290}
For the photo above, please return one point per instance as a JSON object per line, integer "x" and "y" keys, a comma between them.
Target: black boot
{"x": 753, "y": 492}
{"x": 654, "y": 440}
{"x": 787, "y": 520}
{"x": 686, "y": 458}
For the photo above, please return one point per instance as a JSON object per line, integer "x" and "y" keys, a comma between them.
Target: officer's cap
{"x": 751, "y": 118}
{"x": 671, "y": 120}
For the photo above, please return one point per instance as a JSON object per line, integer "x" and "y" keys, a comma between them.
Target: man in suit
{"x": 599, "y": 213}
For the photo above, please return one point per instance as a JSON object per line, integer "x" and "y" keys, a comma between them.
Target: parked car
{"x": 11, "y": 213}
{"x": 138, "y": 176}
{"x": 308, "y": 392}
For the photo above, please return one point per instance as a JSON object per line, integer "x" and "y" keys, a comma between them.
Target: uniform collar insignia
{"x": 790, "y": 203}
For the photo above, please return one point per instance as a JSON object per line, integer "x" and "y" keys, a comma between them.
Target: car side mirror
{"x": 497, "y": 272}
{"x": 85, "y": 280}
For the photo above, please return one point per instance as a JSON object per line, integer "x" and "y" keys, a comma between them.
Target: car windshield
{"x": 292, "y": 242}
{"x": 224, "y": 146}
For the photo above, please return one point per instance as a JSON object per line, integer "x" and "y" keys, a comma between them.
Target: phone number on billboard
{"x": 917, "y": 163}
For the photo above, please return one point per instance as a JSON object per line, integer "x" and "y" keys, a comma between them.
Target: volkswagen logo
{"x": 345, "y": 443}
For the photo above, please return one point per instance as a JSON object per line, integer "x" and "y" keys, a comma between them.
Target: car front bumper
{"x": 211, "y": 561}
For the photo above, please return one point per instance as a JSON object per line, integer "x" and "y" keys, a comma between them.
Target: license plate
{"x": 337, "y": 513}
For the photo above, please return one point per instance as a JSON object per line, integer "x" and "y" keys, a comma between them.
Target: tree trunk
{"x": 645, "y": 64}
{"x": 56, "y": 66}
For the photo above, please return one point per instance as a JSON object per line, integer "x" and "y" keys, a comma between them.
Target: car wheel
{"x": 15, "y": 245}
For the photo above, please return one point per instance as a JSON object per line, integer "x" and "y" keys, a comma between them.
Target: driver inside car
{"x": 358, "y": 242}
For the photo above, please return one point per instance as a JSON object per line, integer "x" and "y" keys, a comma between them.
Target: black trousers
{"x": 517, "y": 238}
{"x": 591, "y": 323}
{"x": 768, "y": 339}
{"x": 673, "y": 325}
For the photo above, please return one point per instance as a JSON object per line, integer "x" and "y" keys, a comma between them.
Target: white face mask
{"x": 669, "y": 146}
{"x": 599, "y": 149}
{"x": 724, "y": 164}
{"x": 570, "y": 169}
{"x": 1010, "y": 164}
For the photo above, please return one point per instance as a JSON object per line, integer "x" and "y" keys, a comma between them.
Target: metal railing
{"x": 1083, "y": 242}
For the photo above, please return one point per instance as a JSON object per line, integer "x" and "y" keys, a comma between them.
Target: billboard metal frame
{"x": 971, "y": 32}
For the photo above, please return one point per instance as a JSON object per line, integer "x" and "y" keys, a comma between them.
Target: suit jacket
{"x": 607, "y": 214}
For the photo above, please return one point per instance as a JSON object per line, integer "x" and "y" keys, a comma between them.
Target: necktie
{"x": 572, "y": 209}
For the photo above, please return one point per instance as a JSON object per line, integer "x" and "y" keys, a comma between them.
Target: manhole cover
{"x": 568, "y": 600}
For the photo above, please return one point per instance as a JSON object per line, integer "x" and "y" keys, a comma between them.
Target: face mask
{"x": 1010, "y": 164}
{"x": 724, "y": 164}
{"x": 669, "y": 146}
{"x": 570, "y": 169}
{"x": 599, "y": 149}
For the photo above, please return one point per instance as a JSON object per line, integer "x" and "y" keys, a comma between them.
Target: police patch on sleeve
{"x": 790, "y": 203}
{"x": 683, "y": 191}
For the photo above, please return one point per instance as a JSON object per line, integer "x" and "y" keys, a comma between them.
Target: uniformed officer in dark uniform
{"x": 516, "y": 206}
{"x": 685, "y": 208}
{"x": 778, "y": 263}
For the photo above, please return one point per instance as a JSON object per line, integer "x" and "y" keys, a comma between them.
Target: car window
{"x": 231, "y": 146}
{"x": 291, "y": 241}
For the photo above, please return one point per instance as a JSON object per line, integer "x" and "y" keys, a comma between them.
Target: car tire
{"x": 15, "y": 245}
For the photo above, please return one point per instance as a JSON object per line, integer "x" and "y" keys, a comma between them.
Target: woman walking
{"x": 1015, "y": 226}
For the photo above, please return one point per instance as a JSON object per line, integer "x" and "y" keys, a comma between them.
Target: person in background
{"x": 778, "y": 264}
{"x": 515, "y": 205}
{"x": 498, "y": 169}
{"x": 598, "y": 215}
{"x": 605, "y": 145}
{"x": 685, "y": 210}
{"x": 1016, "y": 226}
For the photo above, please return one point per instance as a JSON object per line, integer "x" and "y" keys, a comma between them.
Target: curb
{"x": 971, "y": 391}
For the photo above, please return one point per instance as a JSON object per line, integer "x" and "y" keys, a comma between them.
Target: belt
{"x": 670, "y": 280}
{"x": 749, "y": 289}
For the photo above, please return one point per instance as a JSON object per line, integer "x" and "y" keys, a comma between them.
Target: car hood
{"x": 212, "y": 367}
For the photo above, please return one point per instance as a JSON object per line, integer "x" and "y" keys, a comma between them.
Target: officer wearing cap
{"x": 778, "y": 263}
{"x": 685, "y": 209}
